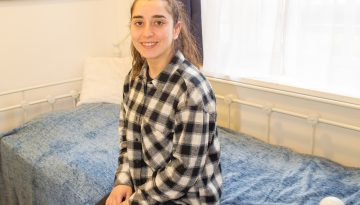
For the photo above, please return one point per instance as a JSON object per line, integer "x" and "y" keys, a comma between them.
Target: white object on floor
{"x": 331, "y": 200}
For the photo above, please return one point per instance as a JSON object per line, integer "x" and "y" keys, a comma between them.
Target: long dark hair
{"x": 185, "y": 42}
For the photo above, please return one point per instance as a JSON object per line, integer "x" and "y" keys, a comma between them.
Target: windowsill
{"x": 288, "y": 90}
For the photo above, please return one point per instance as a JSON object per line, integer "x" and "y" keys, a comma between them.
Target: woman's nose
{"x": 148, "y": 30}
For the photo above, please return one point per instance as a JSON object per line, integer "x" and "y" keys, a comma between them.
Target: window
{"x": 311, "y": 44}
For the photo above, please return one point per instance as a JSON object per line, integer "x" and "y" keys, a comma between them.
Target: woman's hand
{"x": 119, "y": 194}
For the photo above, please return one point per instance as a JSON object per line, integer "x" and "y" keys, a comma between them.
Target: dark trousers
{"x": 103, "y": 201}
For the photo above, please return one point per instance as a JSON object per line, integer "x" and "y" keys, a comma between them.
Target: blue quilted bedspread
{"x": 260, "y": 173}
{"x": 70, "y": 158}
{"x": 62, "y": 158}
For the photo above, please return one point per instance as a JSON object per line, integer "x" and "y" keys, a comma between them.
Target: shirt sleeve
{"x": 122, "y": 175}
{"x": 191, "y": 140}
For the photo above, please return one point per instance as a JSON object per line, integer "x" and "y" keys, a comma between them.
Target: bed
{"x": 69, "y": 157}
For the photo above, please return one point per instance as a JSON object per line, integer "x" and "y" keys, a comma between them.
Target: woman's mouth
{"x": 148, "y": 45}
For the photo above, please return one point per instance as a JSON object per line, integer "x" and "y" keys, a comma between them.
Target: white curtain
{"x": 312, "y": 44}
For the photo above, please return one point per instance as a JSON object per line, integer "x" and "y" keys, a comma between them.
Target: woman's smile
{"x": 149, "y": 45}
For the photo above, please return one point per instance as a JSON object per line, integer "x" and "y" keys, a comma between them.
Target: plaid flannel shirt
{"x": 169, "y": 149}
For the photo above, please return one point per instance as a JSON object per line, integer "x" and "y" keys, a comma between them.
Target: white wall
{"x": 44, "y": 41}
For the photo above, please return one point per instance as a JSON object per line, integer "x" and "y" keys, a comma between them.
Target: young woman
{"x": 170, "y": 151}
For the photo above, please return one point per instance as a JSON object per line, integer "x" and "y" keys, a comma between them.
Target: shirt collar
{"x": 165, "y": 74}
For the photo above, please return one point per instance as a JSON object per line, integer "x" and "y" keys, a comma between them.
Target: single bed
{"x": 69, "y": 157}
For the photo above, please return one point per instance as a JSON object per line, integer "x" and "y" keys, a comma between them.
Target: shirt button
{"x": 137, "y": 163}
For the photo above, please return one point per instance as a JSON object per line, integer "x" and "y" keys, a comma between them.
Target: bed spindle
{"x": 228, "y": 101}
{"x": 51, "y": 100}
{"x": 267, "y": 109}
{"x": 75, "y": 95}
{"x": 24, "y": 105}
{"x": 313, "y": 120}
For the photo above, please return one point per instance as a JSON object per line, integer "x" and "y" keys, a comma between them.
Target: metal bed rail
{"x": 24, "y": 105}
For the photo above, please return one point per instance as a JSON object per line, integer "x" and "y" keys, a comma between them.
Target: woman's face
{"x": 152, "y": 29}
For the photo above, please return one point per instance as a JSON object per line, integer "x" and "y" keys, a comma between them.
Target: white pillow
{"x": 103, "y": 79}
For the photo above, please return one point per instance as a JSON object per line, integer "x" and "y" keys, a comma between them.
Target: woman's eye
{"x": 158, "y": 23}
{"x": 138, "y": 23}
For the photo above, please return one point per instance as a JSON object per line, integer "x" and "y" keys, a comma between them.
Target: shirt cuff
{"x": 139, "y": 198}
{"x": 123, "y": 179}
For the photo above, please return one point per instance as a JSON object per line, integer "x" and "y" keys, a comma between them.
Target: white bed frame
{"x": 228, "y": 105}
{"x": 313, "y": 120}
{"x": 307, "y": 124}
{"x": 25, "y": 105}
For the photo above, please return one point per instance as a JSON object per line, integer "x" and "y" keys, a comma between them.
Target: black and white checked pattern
{"x": 170, "y": 151}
